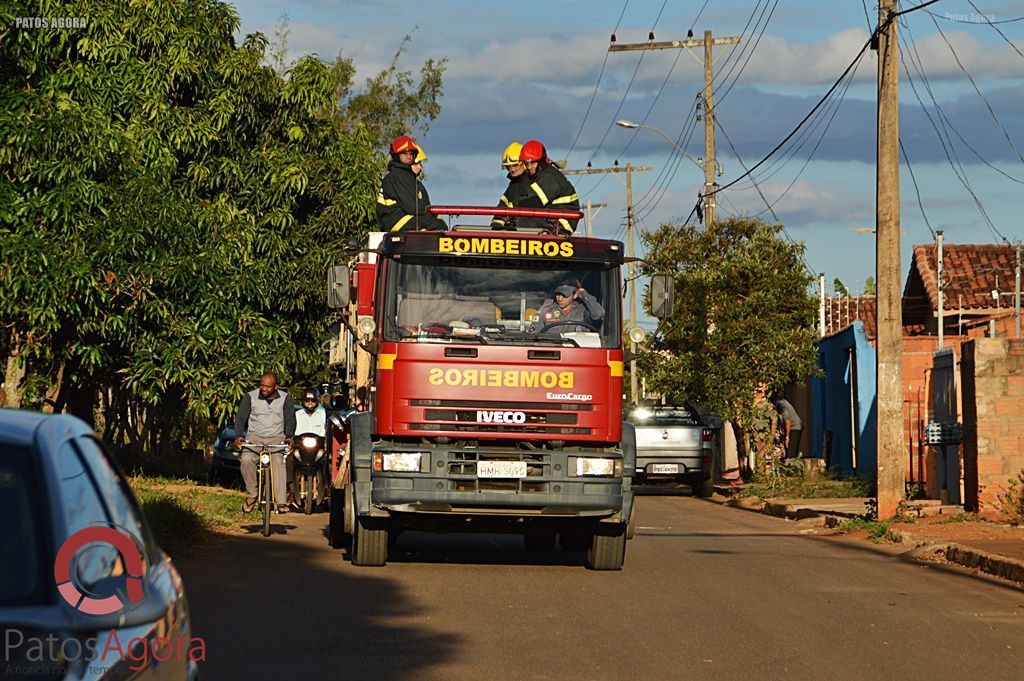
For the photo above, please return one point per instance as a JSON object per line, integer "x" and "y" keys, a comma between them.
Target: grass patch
{"x": 798, "y": 487}
{"x": 183, "y": 514}
{"x": 879, "y": 531}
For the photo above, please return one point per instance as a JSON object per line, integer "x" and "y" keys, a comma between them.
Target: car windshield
{"x": 22, "y": 551}
{"x": 664, "y": 416}
{"x": 502, "y": 301}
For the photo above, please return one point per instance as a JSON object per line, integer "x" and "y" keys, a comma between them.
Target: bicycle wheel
{"x": 268, "y": 498}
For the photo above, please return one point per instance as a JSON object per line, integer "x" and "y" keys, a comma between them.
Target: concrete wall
{"x": 847, "y": 361}
{"x": 992, "y": 372}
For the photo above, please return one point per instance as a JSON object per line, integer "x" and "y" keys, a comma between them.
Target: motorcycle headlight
{"x": 309, "y": 442}
{"x": 598, "y": 467}
{"x": 405, "y": 462}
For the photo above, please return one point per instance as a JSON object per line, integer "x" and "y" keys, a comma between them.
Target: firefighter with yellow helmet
{"x": 516, "y": 174}
{"x": 403, "y": 200}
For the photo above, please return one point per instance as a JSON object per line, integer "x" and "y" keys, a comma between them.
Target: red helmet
{"x": 533, "y": 151}
{"x": 403, "y": 143}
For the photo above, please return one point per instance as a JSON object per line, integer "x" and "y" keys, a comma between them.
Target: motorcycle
{"x": 310, "y": 461}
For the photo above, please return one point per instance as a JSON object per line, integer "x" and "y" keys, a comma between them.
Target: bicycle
{"x": 265, "y": 477}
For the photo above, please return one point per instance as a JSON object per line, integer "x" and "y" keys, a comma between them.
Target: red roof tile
{"x": 970, "y": 273}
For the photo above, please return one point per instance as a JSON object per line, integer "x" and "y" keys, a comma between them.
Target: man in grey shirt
{"x": 572, "y": 303}
{"x": 266, "y": 416}
{"x": 793, "y": 426}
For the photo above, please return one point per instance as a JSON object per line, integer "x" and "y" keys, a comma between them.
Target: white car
{"x": 673, "y": 443}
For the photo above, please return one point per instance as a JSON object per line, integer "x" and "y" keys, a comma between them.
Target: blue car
{"x": 226, "y": 463}
{"x": 85, "y": 591}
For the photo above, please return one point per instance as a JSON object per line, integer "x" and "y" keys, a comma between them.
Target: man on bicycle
{"x": 266, "y": 416}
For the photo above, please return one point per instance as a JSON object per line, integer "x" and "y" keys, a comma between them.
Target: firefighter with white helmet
{"x": 403, "y": 200}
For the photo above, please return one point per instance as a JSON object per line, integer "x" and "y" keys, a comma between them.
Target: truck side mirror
{"x": 663, "y": 295}
{"x": 337, "y": 287}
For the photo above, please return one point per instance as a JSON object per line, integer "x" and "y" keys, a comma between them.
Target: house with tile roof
{"x": 844, "y": 395}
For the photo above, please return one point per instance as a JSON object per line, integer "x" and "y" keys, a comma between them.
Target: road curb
{"x": 990, "y": 563}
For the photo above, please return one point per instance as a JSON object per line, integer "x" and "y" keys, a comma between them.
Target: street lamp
{"x": 626, "y": 123}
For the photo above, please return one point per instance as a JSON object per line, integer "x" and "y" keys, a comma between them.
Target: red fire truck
{"x": 481, "y": 409}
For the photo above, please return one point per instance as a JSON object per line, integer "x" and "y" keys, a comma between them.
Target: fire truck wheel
{"x": 607, "y": 548}
{"x": 336, "y": 535}
{"x": 350, "y": 510}
{"x": 370, "y": 543}
{"x": 539, "y": 541}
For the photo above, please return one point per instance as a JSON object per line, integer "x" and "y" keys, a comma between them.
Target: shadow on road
{"x": 291, "y": 608}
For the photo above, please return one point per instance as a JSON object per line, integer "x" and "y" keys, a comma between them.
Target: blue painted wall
{"x": 831, "y": 401}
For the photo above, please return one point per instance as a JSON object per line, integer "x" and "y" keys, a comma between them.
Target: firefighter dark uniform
{"x": 402, "y": 201}
{"x": 548, "y": 188}
{"x": 516, "y": 185}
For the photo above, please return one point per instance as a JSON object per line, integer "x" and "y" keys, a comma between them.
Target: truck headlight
{"x": 403, "y": 462}
{"x": 598, "y": 467}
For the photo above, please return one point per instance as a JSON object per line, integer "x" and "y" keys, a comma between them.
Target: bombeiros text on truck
{"x": 482, "y": 404}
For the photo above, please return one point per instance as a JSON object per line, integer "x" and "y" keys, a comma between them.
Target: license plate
{"x": 501, "y": 469}
{"x": 657, "y": 468}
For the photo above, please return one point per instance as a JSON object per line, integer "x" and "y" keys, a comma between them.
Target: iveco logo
{"x": 501, "y": 417}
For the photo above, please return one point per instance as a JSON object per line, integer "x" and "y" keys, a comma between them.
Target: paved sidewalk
{"x": 991, "y": 547}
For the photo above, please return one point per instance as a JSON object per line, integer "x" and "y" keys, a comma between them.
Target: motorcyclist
{"x": 310, "y": 418}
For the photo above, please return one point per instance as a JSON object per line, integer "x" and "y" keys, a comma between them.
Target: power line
{"x": 586, "y": 114}
{"x": 799, "y": 125}
{"x": 996, "y": 29}
{"x": 950, "y": 151}
{"x": 917, "y": 190}
{"x": 977, "y": 90}
{"x": 744, "y": 165}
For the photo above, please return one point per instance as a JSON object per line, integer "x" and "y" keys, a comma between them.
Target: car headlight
{"x": 598, "y": 467}
{"x": 641, "y": 414}
{"x": 403, "y": 462}
{"x": 309, "y": 442}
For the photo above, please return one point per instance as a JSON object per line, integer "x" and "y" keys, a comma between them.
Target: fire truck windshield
{"x": 502, "y": 301}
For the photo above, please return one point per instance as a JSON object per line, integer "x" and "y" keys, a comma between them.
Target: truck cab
{"x": 489, "y": 409}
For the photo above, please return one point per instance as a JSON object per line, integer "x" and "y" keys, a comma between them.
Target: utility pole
{"x": 591, "y": 215}
{"x": 629, "y": 169}
{"x": 708, "y": 96}
{"x": 821, "y": 304}
{"x": 1016, "y": 293}
{"x": 938, "y": 276}
{"x": 710, "y": 199}
{"x": 887, "y": 265}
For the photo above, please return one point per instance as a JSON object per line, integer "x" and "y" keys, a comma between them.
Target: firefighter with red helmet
{"x": 402, "y": 201}
{"x": 547, "y": 187}
{"x": 517, "y": 185}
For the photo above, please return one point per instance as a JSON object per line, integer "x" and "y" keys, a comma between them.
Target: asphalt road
{"x": 707, "y": 592}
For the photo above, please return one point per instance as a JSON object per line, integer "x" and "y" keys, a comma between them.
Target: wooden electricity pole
{"x": 629, "y": 169}
{"x": 887, "y": 270}
{"x": 708, "y": 44}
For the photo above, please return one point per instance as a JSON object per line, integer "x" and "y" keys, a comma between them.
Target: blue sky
{"x": 529, "y": 69}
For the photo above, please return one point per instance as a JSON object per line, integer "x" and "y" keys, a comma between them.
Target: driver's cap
{"x": 565, "y": 290}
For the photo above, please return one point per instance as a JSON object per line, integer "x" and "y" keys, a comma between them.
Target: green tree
{"x": 840, "y": 288}
{"x": 743, "y": 316}
{"x": 168, "y": 206}
{"x": 869, "y": 286}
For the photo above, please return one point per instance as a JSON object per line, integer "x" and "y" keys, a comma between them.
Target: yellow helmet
{"x": 421, "y": 155}
{"x": 511, "y": 155}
